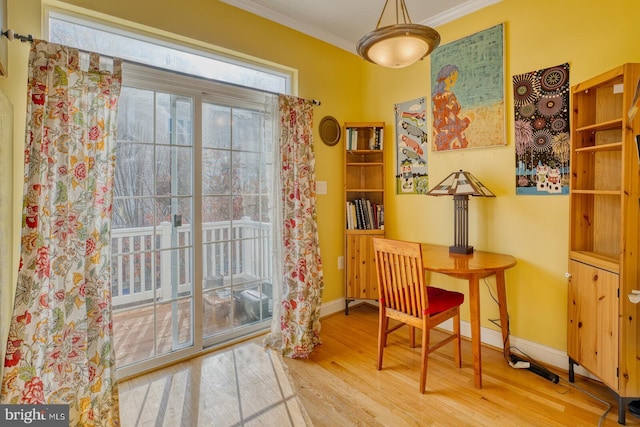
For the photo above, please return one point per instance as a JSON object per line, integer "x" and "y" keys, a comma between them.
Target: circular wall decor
{"x": 329, "y": 130}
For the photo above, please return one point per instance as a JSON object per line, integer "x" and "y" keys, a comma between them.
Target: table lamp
{"x": 461, "y": 185}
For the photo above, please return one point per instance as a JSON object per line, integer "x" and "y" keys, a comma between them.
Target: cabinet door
{"x": 361, "y": 269}
{"x": 593, "y": 321}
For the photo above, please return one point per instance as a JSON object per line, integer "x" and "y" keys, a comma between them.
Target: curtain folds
{"x": 60, "y": 348}
{"x": 296, "y": 327}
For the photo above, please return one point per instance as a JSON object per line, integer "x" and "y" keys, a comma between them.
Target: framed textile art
{"x": 542, "y": 134}
{"x": 411, "y": 147}
{"x": 468, "y": 87}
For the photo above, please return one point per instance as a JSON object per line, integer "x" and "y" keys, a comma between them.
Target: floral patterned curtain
{"x": 298, "y": 330}
{"x": 60, "y": 348}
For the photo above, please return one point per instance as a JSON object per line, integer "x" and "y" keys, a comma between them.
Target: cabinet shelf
{"x": 603, "y": 261}
{"x": 596, "y": 127}
{"x": 614, "y": 146}
{"x": 598, "y": 192}
{"x": 379, "y": 232}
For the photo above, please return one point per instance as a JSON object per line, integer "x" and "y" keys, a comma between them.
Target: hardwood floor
{"x": 338, "y": 385}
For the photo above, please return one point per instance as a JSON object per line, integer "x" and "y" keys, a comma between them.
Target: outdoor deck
{"x": 135, "y": 328}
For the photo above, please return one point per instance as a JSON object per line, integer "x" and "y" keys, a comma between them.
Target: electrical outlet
{"x": 340, "y": 263}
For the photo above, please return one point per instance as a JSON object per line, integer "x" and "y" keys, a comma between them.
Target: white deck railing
{"x": 150, "y": 263}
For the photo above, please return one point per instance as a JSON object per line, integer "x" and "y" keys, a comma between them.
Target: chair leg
{"x": 412, "y": 336}
{"x": 457, "y": 347}
{"x": 425, "y": 359}
{"x": 383, "y": 326}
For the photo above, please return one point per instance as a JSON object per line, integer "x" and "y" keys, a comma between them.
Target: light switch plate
{"x": 321, "y": 187}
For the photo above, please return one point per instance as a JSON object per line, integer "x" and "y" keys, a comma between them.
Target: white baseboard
{"x": 546, "y": 355}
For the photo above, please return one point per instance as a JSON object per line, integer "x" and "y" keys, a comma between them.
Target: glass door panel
{"x": 236, "y": 220}
{"x": 152, "y": 225}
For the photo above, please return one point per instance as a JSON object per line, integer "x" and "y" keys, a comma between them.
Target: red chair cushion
{"x": 441, "y": 299}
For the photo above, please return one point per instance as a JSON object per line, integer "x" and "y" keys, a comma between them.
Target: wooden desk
{"x": 474, "y": 267}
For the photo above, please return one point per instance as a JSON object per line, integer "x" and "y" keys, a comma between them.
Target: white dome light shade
{"x": 397, "y": 46}
{"x": 400, "y": 44}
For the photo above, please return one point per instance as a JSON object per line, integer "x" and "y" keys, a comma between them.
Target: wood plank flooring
{"x": 245, "y": 385}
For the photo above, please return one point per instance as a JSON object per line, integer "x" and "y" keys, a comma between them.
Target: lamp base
{"x": 461, "y": 249}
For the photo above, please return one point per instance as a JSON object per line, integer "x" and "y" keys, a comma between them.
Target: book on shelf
{"x": 375, "y": 141}
{"x": 352, "y": 139}
{"x": 362, "y": 214}
{"x": 378, "y": 138}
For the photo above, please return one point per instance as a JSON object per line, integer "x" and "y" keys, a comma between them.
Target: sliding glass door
{"x": 237, "y": 185}
{"x": 192, "y": 222}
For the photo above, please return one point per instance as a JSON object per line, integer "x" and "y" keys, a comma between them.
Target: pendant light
{"x": 400, "y": 44}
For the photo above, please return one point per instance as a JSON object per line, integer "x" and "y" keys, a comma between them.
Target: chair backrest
{"x": 401, "y": 284}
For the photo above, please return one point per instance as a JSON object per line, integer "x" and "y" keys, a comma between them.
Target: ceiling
{"x": 343, "y": 22}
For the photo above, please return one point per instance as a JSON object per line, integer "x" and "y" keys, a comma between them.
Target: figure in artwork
{"x": 448, "y": 126}
{"x": 542, "y": 172}
{"x": 407, "y": 177}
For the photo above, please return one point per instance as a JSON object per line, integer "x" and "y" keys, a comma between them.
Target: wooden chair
{"x": 405, "y": 297}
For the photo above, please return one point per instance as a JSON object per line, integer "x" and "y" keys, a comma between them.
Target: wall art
{"x": 468, "y": 86}
{"x": 411, "y": 147}
{"x": 542, "y": 134}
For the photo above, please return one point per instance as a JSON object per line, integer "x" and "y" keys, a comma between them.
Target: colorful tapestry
{"x": 412, "y": 175}
{"x": 467, "y": 77}
{"x": 542, "y": 137}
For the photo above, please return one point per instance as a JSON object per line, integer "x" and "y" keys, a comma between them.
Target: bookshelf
{"x": 364, "y": 207}
{"x": 604, "y": 236}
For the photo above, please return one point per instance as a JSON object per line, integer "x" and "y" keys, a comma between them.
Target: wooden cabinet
{"x": 603, "y": 333}
{"x": 593, "y": 320}
{"x": 364, "y": 206}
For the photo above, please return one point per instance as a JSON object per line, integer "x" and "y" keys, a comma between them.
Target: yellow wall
{"x": 537, "y": 35}
{"x": 592, "y": 36}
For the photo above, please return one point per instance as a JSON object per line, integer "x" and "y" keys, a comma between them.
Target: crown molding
{"x": 250, "y": 6}
{"x": 456, "y": 12}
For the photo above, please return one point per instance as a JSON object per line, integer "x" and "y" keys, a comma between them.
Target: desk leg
{"x": 476, "y": 341}
{"x": 504, "y": 314}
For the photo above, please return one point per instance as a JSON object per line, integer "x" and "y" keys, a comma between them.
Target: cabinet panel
{"x": 361, "y": 268}
{"x": 593, "y": 321}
